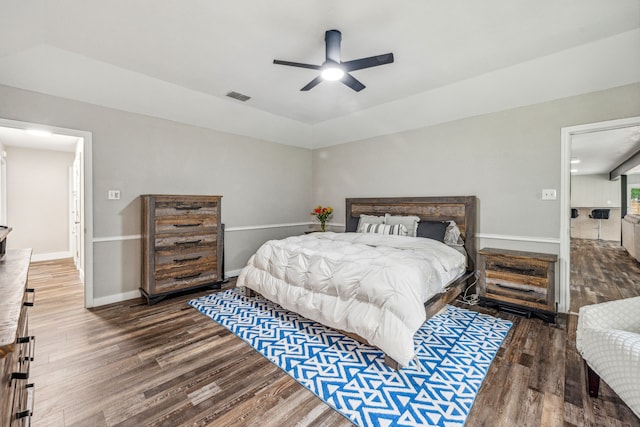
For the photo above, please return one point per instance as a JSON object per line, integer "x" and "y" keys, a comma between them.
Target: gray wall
{"x": 38, "y": 200}
{"x": 503, "y": 158}
{"x": 595, "y": 191}
{"x": 262, "y": 183}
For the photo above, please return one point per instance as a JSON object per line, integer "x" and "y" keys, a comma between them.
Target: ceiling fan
{"x": 334, "y": 69}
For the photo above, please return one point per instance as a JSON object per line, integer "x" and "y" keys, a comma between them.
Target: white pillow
{"x": 410, "y": 222}
{"x": 452, "y": 235}
{"x": 396, "y": 229}
{"x": 369, "y": 219}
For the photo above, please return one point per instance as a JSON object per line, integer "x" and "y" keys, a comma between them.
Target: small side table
{"x": 518, "y": 282}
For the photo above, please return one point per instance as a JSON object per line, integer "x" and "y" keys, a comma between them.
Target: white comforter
{"x": 369, "y": 284}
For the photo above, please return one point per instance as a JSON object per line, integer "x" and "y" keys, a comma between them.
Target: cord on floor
{"x": 473, "y": 298}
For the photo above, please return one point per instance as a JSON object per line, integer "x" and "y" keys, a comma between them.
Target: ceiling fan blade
{"x": 372, "y": 61}
{"x": 313, "y": 83}
{"x": 352, "y": 82}
{"x": 297, "y": 64}
{"x": 332, "y": 39}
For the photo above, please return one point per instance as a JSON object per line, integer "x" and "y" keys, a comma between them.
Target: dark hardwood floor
{"x": 129, "y": 364}
{"x": 601, "y": 271}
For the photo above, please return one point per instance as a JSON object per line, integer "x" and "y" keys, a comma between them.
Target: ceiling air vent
{"x": 238, "y": 96}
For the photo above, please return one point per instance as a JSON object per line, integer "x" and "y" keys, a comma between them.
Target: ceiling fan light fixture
{"x": 334, "y": 69}
{"x": 332, "y": 73}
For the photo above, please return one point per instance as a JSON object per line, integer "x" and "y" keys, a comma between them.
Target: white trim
{"x": 51, "y": 256}
{"x": 552, "y": 240}
{"x": 226, "y": 230}
{"x": 566, "y": 135}
{"x": 117, "y": 238}
{"x": 265, "y": 226}
{"x": 87, "y": 218}
{"x": 232, "y": 273}
{"x": 110, "y": 299}
{"x": 3, "y": 187}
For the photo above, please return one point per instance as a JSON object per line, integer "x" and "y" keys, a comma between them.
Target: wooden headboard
{"x": 461, "y": 209}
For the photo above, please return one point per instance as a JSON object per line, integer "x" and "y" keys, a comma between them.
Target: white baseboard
{"x": 110, "y": 299}
{"x": 231, "y": 273}
{"x": 51, "y": 256}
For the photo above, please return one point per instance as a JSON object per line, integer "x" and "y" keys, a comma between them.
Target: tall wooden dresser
{"x": 16, "y": 345}
{"x": 182, "y": 244}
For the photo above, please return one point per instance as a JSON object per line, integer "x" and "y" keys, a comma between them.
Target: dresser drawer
{"x": 188, "y": 255}
{"x": 185, "y": 206}
{"x": 167, "y": 281}
{"x": 183, "y": 243}
{"x": 173, "y": 224}
{"x": 185, "y": 265}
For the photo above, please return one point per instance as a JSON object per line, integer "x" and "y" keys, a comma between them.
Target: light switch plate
{"x": 113, "y": 195}
{"x": 549, "y": 194}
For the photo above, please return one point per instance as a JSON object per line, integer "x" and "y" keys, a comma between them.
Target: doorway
{"x": 567, "y": 135}
{"x": 84, "y": 228}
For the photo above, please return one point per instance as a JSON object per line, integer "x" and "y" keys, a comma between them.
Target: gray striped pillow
{"x": 395, "y": 229}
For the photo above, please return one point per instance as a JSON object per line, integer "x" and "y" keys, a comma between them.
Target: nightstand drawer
{"x": 517, "y": 279}
{"x": 517, "y": 266}
{"x": 517, "y": 293}
{"x": 508, "y": 277}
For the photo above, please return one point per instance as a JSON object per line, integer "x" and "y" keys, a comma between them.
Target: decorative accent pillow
{"x": 369, "y": 219}
{"x": 396, "y": 230}
{"x": 410, "y": 222}
{"x": 432, "y": 229}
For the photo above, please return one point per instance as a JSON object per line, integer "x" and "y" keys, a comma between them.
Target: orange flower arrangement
{"x": 322, "y": 214}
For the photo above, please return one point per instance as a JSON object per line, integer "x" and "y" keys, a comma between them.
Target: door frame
{"x": 566, "y": 134}
{"x": 86, "y": 196}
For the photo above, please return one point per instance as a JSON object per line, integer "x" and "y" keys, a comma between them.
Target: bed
{"x": 376, "y": 288}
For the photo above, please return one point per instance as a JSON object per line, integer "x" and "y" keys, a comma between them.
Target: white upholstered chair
{"x": 608, "y": 338}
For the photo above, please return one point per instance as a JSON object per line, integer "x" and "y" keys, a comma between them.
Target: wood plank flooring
{"x": 601, "y": 271}
{"x": 128, "y": 364}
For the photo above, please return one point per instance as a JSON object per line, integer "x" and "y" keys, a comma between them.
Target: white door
{"x": 3, "y": 189}
{"x": 76, "y": 230}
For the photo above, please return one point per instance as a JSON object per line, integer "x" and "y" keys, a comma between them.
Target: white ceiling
{"x": 21, "y": 138}
{"x": 177, "y": 60}
{"x": 603, "y": 151}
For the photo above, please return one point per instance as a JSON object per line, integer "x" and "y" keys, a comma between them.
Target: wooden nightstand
{"x": 518, "y": 282}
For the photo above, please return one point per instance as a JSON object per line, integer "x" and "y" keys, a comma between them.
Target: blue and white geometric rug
{"x": 455, "y": 349}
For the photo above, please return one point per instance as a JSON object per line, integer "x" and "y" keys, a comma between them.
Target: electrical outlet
{"x": 113, "y": 195}
{"x": 549, "y": 194}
